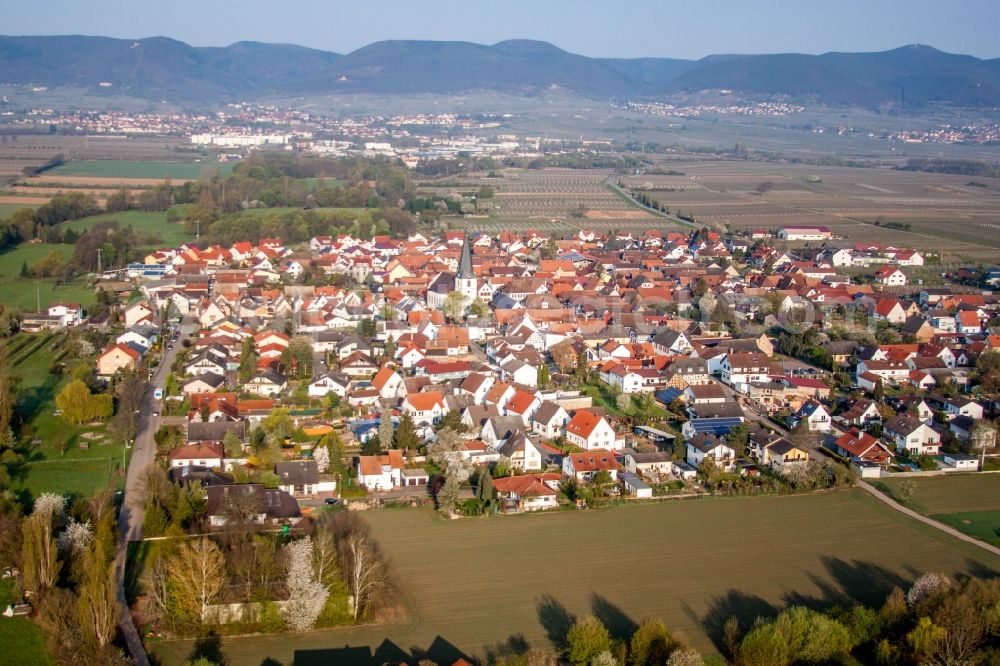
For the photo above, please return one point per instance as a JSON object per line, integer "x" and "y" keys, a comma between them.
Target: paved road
{"x": 133, "y": 504}
{"x": 928, "y": 521}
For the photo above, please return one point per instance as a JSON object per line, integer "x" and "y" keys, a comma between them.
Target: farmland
{"x": 476, "y": 583}
{"x": 562, "y": 201}
{"x": 945, "y": 213}
{"x": 115, "y": 169}
{"x": 969, "y": 503}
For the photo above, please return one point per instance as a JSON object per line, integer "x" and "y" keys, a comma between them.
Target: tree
{"x": 982, "y": 438}
{"x": 130, "y": 390}
{"x": 586, "y": 639}
{"x": 98, "y": 602}
{"x": 8, "y": 395}
{"x": 685, "y": 657}
{"x": 74, "y": 402}
{"x": 651, "y": 644}
{"x": 797, "y": 635}
{"x": 738, "y": 438}
{"x": 39, "y": 553}
{"x": 406, "y": 433}
{"x": 321, "y": 455}
{"x": 501, "y": 467}
{"x": 385, "y": 430}
{"x": 248, "y": 360}
{"x": 445, "y": 452}
{"x": 878, "y": 393}
{"x": 364, "y": 570}
{"x": 372, "y": 446}
{"x": 197, "y": 576}
{"x": 448, "y": 495}
{"x": 454, "y": 305}
{"x": 906, "y": 490}
{"x": 926, "y": 587}
{"x": 543, "y": 376}
{"x": 485, "y": 492}
{"x": 453, "y": 420}
{"x": 306, "y": 594}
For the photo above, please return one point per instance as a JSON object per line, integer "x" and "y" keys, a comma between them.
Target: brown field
{"x": 477, "y": 583}
{"x": 616, "y": 214}
{"x": 99, "y": 181}
{"x": 945, "y": 213}
{"x": 27, "y": 201}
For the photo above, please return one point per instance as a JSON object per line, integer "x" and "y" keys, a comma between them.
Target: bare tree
{"x": 364, "y": 570}
{"x": 197, "y": 574}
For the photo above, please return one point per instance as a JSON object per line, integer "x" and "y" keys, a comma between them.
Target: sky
{"x": 622, "y": 28}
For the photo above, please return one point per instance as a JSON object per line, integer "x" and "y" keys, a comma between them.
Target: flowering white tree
{"x": 50, "y": 504}
{"x": 76, "y": 538}
{"x": 306, "y": 595}
{"x": 926, "y": 587}
{"x": 685, "y": 658}
{"x": 322, "y": 457}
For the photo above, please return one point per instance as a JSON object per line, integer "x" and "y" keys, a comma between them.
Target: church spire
{"x": 465, "y": 261}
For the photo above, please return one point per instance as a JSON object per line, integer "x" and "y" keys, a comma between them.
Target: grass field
{"x": 951, "y": 493}
{"x": 76, "y": 471}
{"x": 968, "y": 502}
{"x": 22, "y": 640}
{"x": 26, "y": 294}
{"x": 475, "y": 583}
{"x": 171, "y": 235}
{"x": 129, "y": 169}
{"x": 7, "y": 210}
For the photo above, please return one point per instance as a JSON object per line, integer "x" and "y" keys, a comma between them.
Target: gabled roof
{"x": 583, "y": 423}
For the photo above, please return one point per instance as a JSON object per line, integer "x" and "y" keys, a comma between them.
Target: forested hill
{"x": 159, "y": 68}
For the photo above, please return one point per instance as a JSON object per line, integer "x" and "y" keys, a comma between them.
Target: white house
{"x": 383, "y": 472}
{"x": 911, "y": 436}
{"x": 700, "y": 447}
{"x": 590, "y": 431}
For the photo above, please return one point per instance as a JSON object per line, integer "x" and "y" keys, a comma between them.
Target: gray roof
{"x": 274, "y": 503}
{"x": 297, "y": 472}
{"x": 215, "y": 431}
{"x": 465, "y": 261}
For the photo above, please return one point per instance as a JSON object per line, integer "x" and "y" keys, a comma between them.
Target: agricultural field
{"x": 27, "y": 294}
{"x": 562, "y": 201}
{"x": 968, "y": 502}
{"x": 8, "y": 209}
{"x": 946, "y": 213}
{"x": 90, "y": 455}
{"x": 118, "y": 169}
{"x": 694, "y": 564}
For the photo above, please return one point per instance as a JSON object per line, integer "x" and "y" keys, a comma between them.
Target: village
{"x": 557, "y": 370}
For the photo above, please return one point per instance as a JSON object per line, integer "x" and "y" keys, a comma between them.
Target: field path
{"x": 878, "y": 494}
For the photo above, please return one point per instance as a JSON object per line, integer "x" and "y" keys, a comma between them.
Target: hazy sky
{"x": 666, "y": 28}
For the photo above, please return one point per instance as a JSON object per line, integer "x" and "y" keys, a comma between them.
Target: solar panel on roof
{"x": 716, "y": 426}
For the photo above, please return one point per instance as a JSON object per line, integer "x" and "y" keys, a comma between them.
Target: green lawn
{"x": 968, "y": 502}
{"x": 143, "y": 222}
{"x": 950, "y": 493}
{"x": 22, "y": 640}
{"x": 126, "y": 169}
{"x": 477, "y": 582}
{"x": 27, "y": 294}
{"x": 983, "y": 525}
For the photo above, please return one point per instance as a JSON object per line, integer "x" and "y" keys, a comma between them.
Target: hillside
{"x": 161, "y": 68}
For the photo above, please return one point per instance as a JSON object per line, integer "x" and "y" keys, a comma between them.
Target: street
{"x": 132, "y": 510}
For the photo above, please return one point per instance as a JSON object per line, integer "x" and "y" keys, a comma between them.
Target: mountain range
{"x": 159, "y": 68}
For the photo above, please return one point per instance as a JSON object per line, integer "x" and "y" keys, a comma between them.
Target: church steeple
{"x": 465, "y": 280}
{"x": 465, "y": 261}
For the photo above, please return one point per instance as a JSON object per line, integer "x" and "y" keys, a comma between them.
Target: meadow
{"x": 476, "y": 583}
{"x": 171, "y": 234}
{"x": 968, "y": 502}
{"x": 76, "y": 470}
{"x": 27, "y": 294}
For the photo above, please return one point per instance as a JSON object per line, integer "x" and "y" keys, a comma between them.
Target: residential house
{"x": 591, "y": 431}
{"x": 860, "y": 445}
{"x": 379, "y": 473}
{"x": 911, "y": 436}
{"x": 583, "y": 466}
{"x": 527, "y": 492}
